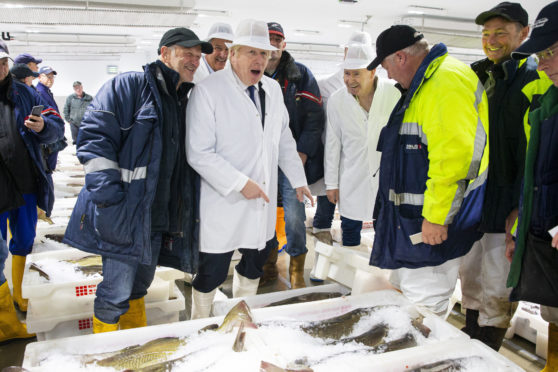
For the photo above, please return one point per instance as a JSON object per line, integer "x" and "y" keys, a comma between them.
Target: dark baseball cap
{"x": 47, "y": 70}
{"x": 21, "y": 71}
{"x": 544, "y": 32}
{"x": 26, "y": 58}
{"x": 4, "y": 53}
{"x": 275, "y": 28}
{"x": 395, "y": 38}
{"x": 184, "y": 37}
{"x": 513, "y": 12}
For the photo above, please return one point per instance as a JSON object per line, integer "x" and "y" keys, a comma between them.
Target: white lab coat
{"x": 351, "y": 159}
{"x": 226, "y": 145}
{"x": 202, "y": 71}
{"x": 327, "y": 87}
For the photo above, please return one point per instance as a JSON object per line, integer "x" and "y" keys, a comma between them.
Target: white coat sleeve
{"x": 289, "y": 160}
{"x": 332, "y": 158}
{"x": 201, "y": 145}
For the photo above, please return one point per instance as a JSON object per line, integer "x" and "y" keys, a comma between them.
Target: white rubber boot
{"x": 202, "y": 303}
{"x": 243, "y": 287}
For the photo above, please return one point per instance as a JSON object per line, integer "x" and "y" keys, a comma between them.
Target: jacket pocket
{"x": 112, "y": 225}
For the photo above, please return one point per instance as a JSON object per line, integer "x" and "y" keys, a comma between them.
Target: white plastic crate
{"x": 74, "y": 293}
{"x": 350, "y": 268}
{"x": 441, "y": 332}
{"x": 427, "y": 354}
{"x": 528, "y": 323}
{"x": 80, "y": 322}
{"x": 258, "y": 301}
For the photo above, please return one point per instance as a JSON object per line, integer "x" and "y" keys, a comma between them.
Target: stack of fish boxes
{"x": 349, "y": 267}
{"x": 62, "y": 309}
{"x": 528, "y": 323}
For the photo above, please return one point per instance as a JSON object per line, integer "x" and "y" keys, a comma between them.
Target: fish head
{"x": 239, "y": 314}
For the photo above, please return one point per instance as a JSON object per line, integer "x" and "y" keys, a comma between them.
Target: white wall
{"x": 92, "y": 73}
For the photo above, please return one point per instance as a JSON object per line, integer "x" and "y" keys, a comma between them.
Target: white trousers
{"x": 483, "y": 273}
{"x": 430, "y": 286}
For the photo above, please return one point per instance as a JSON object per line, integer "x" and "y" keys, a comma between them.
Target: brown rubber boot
{"x": 270, "y": 271}
{"x": 296, "y": 271}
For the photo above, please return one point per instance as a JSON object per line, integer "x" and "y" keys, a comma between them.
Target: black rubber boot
{"x": 492, "y": 336}
{"x": 471, "y": 323}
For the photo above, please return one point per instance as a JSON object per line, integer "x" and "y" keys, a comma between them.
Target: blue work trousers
{"x": 124, "y": 280}
{"x": 23, "y": 225}
{"x": 295, "y": 218}
{"x": 350, "y": 230}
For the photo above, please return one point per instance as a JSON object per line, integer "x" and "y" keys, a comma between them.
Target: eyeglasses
{"x": 546, "y": 54}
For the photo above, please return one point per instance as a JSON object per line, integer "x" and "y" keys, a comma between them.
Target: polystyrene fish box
{"x": 80, "y": 322}
{"x": 483, "y": 358}
{"x": 528, "y": 323}
{"x": 350, "y": 268}
{"x": 441, "y": 332}
{"x": 255, "y": 302}
{"x": 70, "y": 292}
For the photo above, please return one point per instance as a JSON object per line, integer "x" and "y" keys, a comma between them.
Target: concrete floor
{"x": 517, "y": 349}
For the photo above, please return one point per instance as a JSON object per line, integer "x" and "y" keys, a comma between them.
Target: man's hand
{"x": 253, "y": 191}
{"x": 35, "y": 123}
{"x": 510, "y": 248}
{"x": 555, "y": 241}
{"x": 510, "y": 220}
{"x": 303, "y": 157}
{"x": 304, "y": 190}
{"x": 432, "y": 233}
{"x": 333, "y": 195}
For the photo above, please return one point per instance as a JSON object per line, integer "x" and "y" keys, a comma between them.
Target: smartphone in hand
{"x": 36, "y": 110}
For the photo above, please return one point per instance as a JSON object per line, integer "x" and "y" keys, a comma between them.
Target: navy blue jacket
{"x": 304, "y": 104}
{"x": 120, "y": 145}
{"x": 24, "y": 98}
{"x": 404, "y": 171}
{"x": 51, "y": 151}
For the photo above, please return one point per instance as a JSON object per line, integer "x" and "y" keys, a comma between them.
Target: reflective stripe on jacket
{"x": 434, "y": 165}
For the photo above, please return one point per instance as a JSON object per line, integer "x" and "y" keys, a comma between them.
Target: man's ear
{"x": 165, "y": 52}
{"x": 283, "y": 45}
{"x": 400, "y": 57}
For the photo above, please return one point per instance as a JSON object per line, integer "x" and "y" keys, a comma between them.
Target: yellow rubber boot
{"x": 18, "y": 266}
{"x": 135, "y": 316}
{"x": 10, "y": 326}
{"x": 552, "y": 347}
{"x": 101, "y": 327}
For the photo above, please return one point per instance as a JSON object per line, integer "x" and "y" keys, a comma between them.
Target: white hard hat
{"x": 358, "y": 56}
{"x": 252, "y": 33}
{"x": 360, "y": 37}
{"x": 220, "y": 30}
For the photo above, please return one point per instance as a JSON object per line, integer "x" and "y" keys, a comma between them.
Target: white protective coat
{"x": 226, "y": 145}
{"x": 351, "y": 159}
